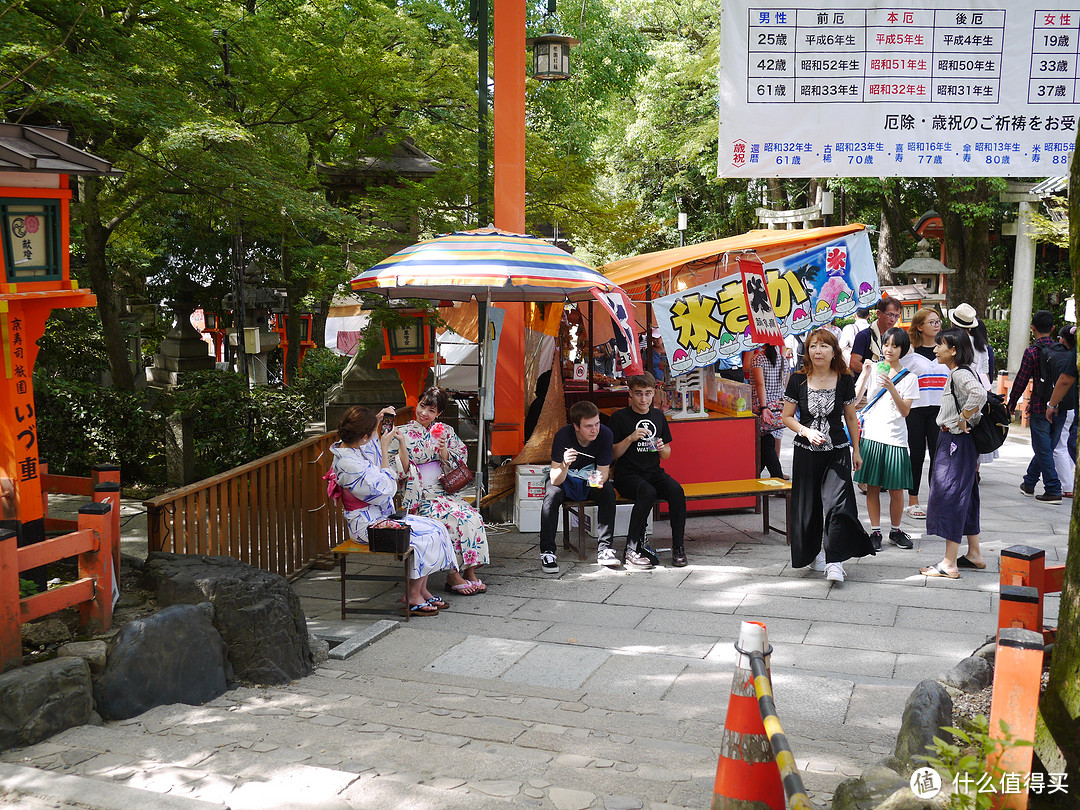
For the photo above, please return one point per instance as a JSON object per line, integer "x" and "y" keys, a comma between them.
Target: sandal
{"x": 964, "y": 562}
{"x": 425, "y": 609}
{"x": 938, "y": 571}
{"x": 478, "y": 586}
{"x": 916, "y": 511}
{"x": 465, "y": 588}
{"x": 437, "y": 603}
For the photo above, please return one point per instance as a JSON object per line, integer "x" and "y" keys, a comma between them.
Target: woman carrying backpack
{"x": 953, "y": 509}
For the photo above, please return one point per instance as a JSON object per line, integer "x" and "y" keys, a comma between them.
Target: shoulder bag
{"x": 456, "y": 478}
{"x": 990, "y": 431}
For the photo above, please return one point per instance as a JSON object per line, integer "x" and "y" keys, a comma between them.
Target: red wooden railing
{"x": 94, "y": 538}
{"x": 271, "y": 513}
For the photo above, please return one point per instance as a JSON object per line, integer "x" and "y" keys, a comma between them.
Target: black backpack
{"x": 990, "y": 431}
{"x": 1053, "y": 360}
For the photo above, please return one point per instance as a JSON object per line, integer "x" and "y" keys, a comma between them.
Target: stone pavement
{"x": 586, "y": 689}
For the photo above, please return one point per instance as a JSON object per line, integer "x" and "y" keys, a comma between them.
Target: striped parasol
{"x": 484, "y": 264}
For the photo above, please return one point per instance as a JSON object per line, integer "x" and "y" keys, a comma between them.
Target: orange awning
{"x": 700, "y": 263}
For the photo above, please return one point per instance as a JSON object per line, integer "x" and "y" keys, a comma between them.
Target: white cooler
{"x": 531, "y": 486}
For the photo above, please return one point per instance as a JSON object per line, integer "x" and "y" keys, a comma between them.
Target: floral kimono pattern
{"x": 360, "y": 472}
{"x": 425, "y": 496}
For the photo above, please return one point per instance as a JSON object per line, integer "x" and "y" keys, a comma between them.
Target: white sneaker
{"x": 834, "y": 572}
{"x": 819, "y": 562}
{"x": 549, "y": 563}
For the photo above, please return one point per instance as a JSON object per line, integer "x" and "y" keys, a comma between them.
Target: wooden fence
{"x": 94, "y": 539}
{"x": 271, "y": 513}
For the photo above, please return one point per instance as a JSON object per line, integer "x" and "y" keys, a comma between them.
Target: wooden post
{"x": 1024, "y": 565}
{"x": 1020, "y": 606}
{"x": 109, "y": 492}
{"x": 1017, "y": 676}
{"x": 96, "y": 615}
{"x": 10, "y": 633}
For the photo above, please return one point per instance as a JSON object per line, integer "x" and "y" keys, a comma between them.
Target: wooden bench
{"x": 343, "y": 550}
{"x": 759, "y": 488}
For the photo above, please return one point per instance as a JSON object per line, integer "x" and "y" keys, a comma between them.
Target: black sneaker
{"x": 606, "y": 556}
{"x": 636, "y": 560}
{"x": 549, "y": 563}
{"x": 898, "y": 537}
{"x": 875, "y": 538}
{"x": 678, "y": 558}
{"x": 1029, "y": 491}
{"x": 649, "y": 552}
{"x": 1048, "y": 498}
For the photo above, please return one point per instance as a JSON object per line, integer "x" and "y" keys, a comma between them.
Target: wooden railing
{"x": 94, "y": 539}
{"x": 271, "y": 513}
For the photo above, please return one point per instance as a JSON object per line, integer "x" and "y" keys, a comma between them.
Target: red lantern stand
{"x": 410, "y": 350}
{"x": 280, "y": 323}
{"x": 217, "y": 334}
{"x": 35, "y": 279}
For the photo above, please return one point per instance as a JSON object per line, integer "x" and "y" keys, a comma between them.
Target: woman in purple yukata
{"x": 429, "y": 447}
{"x": 367, "y": 486}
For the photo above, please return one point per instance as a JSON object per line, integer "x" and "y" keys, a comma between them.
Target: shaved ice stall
{"x": 695, "y": 296}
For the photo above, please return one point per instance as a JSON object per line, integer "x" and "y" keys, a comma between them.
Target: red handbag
{"x": 456, "y": 478}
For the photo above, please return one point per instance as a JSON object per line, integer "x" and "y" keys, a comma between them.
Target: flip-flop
{"x": 479, "y": 585}
{"x": 462, "y": 588}
{"x": 425, "y": 609}
{"x": 938, "y": 571}
{"x": 438, "y": 603}
{"x": 964, "y": 562}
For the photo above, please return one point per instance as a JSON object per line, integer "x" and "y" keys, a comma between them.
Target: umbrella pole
{"x": 483, "y": 348}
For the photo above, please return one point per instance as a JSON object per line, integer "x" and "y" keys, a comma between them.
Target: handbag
{"x": 989, "y": 433}
{"x": 456, "y": 478}
{"x": 772, "y": 416}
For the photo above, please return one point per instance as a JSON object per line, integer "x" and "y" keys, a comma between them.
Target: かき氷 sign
{"x": 807, "y": 289}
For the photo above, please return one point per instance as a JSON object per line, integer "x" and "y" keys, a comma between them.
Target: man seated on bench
{"x": 642, "y": 440}
{"x": 580, "y": 468}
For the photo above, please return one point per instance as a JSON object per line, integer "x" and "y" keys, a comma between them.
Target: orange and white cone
{"x": 747, "y": 776}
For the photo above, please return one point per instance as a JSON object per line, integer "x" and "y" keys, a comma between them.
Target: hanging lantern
{"x": 551, "y": 56}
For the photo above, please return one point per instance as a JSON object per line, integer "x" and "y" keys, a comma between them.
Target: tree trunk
{"x": 962, "y": 205}
{"x": 895, "y": 232}
{"x": 96, "y": 236}
{"x": 886, "y": 251}
{"x": 1057, "y": 735}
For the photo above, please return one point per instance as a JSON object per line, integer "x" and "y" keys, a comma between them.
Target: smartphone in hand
{"x": 387, "y": 423}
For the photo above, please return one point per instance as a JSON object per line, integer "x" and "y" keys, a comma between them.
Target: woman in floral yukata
{"x": 430, "y": 446}
{"x": 362, "y": 479}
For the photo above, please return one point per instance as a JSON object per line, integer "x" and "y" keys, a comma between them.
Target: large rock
{"x": 876, "y": 784}
{"x": 174, "y": 656}
{"x": 256, "y": 612}
{"x": 44, "y": 699}
{"x": 928, "y": 710}
{"x": 971, "y": 675}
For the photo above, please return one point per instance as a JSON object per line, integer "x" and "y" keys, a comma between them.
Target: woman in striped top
{"x": 922, "y": 425}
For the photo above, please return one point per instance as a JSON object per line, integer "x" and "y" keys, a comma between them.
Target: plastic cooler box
{"x": 531, "y": 486}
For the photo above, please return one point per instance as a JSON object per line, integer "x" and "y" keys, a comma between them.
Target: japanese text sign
{"x": 977, "y": 88}
{"x": 806, "y": 289}
{"x": 762, "y": 323}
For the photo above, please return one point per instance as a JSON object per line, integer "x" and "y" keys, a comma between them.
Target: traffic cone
{"x": 747, "y": 776}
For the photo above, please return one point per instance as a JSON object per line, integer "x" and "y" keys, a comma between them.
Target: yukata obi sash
{"x": 338, "y": 493}
{"x": 429, "y": 473}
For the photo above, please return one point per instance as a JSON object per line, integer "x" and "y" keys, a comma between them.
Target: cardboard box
{"x": 531, "y": 481}
{"x": 527, "y": 515}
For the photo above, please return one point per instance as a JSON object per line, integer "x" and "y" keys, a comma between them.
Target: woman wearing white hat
{"x": 964, "y": 317}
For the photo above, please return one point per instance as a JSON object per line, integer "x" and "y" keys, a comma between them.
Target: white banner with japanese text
{"x": 807, "y": 289}
{"x": 836, "y": 88}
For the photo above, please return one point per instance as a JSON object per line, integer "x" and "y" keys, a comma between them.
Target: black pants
{"x": 922, "y": 434}
{"x": 824, "y": 511}
{"x": 646, "y": 490}
{"x": 603, "y": 497}
{"x": 769, "y": 459}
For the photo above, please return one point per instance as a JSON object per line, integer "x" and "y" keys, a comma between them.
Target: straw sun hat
{"x": 964, "y": 316}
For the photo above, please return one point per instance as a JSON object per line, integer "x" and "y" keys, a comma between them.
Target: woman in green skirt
{"x": 891, "y": 390}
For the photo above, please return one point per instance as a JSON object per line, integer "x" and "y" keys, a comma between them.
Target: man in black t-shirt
{"x": 580, "y": 468}
{"x": 642, "y": 440}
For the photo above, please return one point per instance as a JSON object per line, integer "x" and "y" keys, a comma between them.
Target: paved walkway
{"x": 590, "y": 688}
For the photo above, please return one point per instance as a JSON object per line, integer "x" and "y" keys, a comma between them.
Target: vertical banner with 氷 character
{"x": 764, "y": 328}
{"x": 618, "y": 306}
{"x": 807, "y": 289}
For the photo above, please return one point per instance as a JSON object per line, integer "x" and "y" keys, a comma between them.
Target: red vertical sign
{"x": 764, "y": 327}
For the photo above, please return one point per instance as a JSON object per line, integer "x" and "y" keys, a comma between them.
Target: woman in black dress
{"x": 825, "y": 528}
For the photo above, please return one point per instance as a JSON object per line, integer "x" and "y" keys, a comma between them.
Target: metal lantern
{"x": 407, "y": 339}
{"x": 551, "y": 56}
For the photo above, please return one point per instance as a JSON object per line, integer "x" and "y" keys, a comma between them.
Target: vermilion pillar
{"x": 507, "y": 430}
